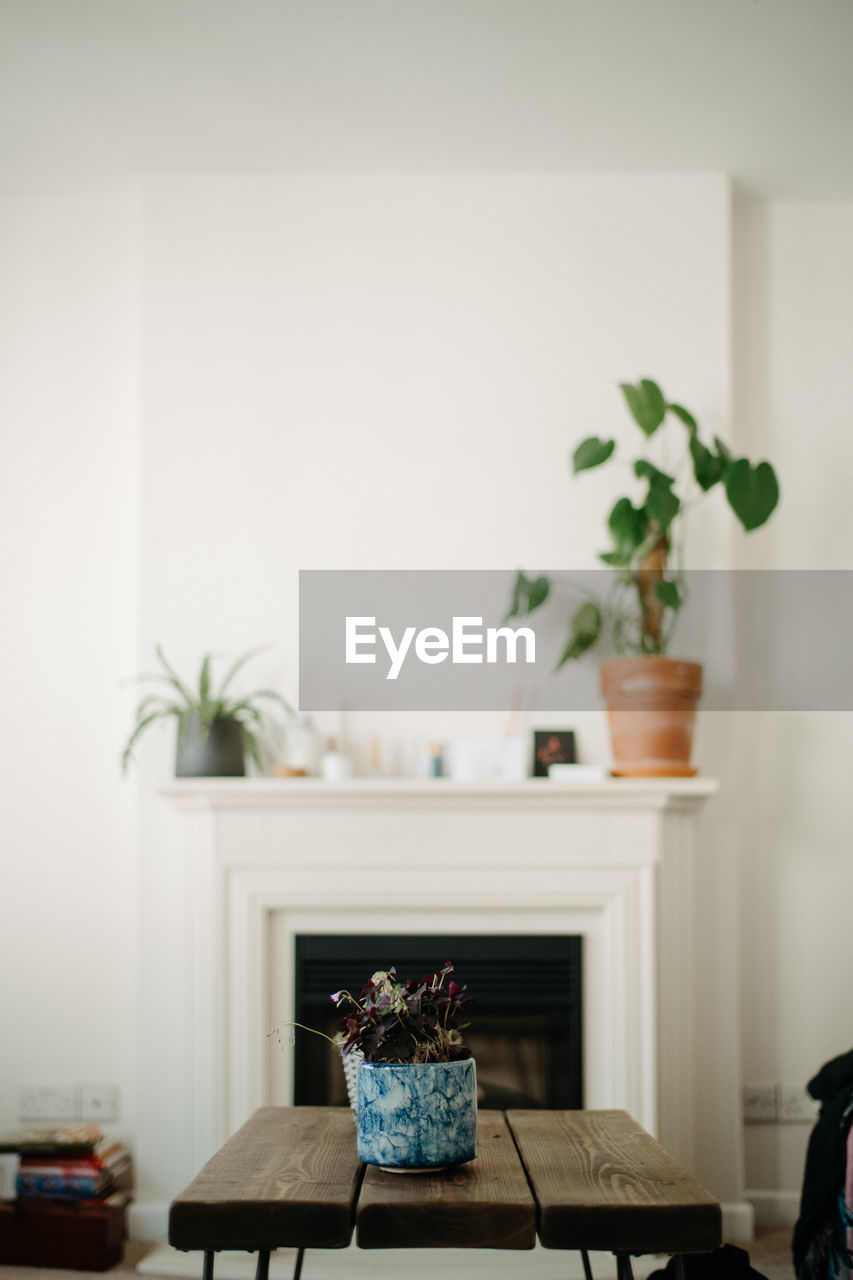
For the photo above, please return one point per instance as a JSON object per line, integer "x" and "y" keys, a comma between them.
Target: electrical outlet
{"x": 44, "y": 1102}
{"x": 98, "y": 1101}
{"x": 759, "y": 1102}
{"x": 794, "y": 1104}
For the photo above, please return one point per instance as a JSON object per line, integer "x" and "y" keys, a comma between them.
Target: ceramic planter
{"x": 217, "y": 752}
{"x": 651, "y": 706}
{"x": 417, "y": 1116}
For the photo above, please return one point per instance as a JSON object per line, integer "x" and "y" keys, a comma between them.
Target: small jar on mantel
{"x": 335, "y": 765}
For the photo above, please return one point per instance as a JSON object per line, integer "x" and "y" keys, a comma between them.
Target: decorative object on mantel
{"x": 486, "y": 759}
{"x": 213, "y": 731}
{"x": 552, "y": 747}
{"x": 416, "y": 1100}
{"x": 651, "y": 699}
{"x": 335, "y": 765}
{"x": 301, "y": 750}
{"x": 577, "y": 774}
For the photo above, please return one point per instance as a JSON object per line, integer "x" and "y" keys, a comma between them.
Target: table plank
{"x": 289, "y": 1177}
{"x": 485, "y": 1204}
{"x": 602, "y": 1182}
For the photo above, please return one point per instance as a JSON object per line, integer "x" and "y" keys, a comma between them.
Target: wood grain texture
{"x": 602, "y": 1182}
{"x": 289, "y": 1177}
{"x": 485, "y": 1204}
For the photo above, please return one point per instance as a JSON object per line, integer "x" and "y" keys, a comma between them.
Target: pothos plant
{"x": 411, "y": 1021}
{"x": 206, "y": 703}
{"x": 648, "y": 589}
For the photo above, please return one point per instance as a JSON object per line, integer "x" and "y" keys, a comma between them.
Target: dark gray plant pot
{"x": 217, "y": 752}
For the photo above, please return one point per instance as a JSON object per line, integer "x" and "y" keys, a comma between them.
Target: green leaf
{"x": 176, "y": 680}
{"x": 708, "y": 467}
{"x": 138, "y": 729}
{"x": 687, "y": 418}
{"x": 591, "y": 453}
{"x": 662, "y": 505}
{"x": 646, "y": 403}
{"x": 645, "y": 471}
{"x": 250, "y": 744}
{"x": 723, "y": 449}
{"x": 668, "y": 594}
{"x": 752, "y": 491}
{"x": 237, "y": 666}
{"x": 629, "y": 526}
{"x": 204, "y": 687}
{"x": 586, "y": 628}
{"x": 528, "y": 594}
{"x": 615, "y": 558}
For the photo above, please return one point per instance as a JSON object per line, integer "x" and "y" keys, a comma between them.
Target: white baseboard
{"x": 148, "y": 1220}
{"x": 775, "y": 1208}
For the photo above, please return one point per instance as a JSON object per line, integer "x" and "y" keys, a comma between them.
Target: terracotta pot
{"x": 651, "y": 705}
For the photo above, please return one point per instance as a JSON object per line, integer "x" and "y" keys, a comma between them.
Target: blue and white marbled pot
{"x": 417, "y": 1115}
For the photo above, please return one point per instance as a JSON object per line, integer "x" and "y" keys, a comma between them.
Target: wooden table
{"x": 579, "y": 1179}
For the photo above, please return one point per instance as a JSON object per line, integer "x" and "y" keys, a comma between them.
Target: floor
{"x": 770, "y": 1254}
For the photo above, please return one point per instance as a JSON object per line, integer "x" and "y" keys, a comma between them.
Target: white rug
{"x": 391, "y": 1264}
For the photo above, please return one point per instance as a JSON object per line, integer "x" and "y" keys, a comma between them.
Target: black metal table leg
{"x": 679, "y": 1267}
{"x": 207, "y": 1273}
{"x": 263, "y": 1268}
{"x": 587, "y": 1269}
{"x": 623, "y": 1267}
{"x": 297, "y": 1270}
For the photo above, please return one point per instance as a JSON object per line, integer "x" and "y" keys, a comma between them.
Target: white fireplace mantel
{"x": 612, "y": 861}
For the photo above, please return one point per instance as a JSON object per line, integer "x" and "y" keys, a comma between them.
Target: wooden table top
{"x": 581, "y": 1179}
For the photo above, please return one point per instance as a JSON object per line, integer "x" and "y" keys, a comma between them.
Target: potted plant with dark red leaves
{"x": 416, "y": 1085}
{"x": 417, "y": 1088}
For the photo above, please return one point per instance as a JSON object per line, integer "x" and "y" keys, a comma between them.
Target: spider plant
{"x": 206, "y": 704}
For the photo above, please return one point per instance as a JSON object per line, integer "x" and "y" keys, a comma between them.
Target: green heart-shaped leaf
{"x": 645, "y": 471}
{"x": 668, "y": 594}
{"x": 629, "y": 525}
{"x": 707, "y": 466}
{"x": 646, "y": 402}
{"x": 662, "y": 505}
{"x": 752, "y": 491}
{"x": 528, "y": 594}
{"x": 586, "y": 627}
{"x": 591, "y": 453}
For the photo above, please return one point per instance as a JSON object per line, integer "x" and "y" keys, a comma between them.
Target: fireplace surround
{"x": 611, "y": 864}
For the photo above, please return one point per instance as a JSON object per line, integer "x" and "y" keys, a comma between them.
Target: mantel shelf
{"x": 286, "y": 793}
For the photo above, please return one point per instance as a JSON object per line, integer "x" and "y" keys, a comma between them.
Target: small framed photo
{"x": 552, "y": 746}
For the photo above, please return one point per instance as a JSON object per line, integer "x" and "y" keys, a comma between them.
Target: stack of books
{"x": 75, "y": 1162}
{"x": 63, "y": 1197}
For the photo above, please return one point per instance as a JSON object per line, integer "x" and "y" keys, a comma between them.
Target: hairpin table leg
{"x": 263, "y": 1269}
{"x": 297, "y": 1270}
{"x": 207, "y": 1273}
{"x": 587, "y": 1269}
{"x": 623, "y": 1267}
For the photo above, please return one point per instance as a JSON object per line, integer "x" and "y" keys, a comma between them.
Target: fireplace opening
{"x": 525, "y": 1027}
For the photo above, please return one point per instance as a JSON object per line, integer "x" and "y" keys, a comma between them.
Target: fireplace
{"x": 525, "y": 1027}
{"x": 258, "y": 863}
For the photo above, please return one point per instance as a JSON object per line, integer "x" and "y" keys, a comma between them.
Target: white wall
{"x": 794, "y": 388}
{"x": 378, "y": 371}
{"x": 389, "y": 372}
{"x": 68, "y": 582}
